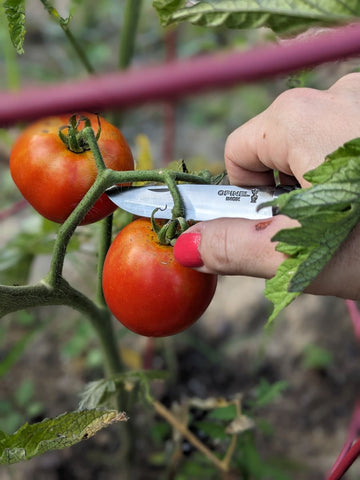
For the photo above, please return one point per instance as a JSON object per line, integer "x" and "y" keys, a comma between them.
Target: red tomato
{"x": 147, "y": 290}
{"x": 53, "y": 179}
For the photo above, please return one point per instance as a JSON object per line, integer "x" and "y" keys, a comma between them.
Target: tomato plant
{"x": 147, "y": 290}
{"x": 53, "y": 172}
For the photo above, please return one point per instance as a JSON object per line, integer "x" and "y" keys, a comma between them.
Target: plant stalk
{"x": 128, "y": 32}
{"x": 68, "y": 227}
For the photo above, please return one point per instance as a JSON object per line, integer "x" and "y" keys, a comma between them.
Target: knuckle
{"x": 294, "y": 101}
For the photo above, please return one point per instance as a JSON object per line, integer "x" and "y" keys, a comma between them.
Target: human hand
{"x": 293, "y": 136}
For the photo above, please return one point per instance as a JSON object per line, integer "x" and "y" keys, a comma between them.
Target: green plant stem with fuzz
{"x": 168, "y": 233}
{"x": 91, "y": 139}
{"x": 68, "y": 227}
{"x": 128, "y": 32}
{"x": 178, "y": 209}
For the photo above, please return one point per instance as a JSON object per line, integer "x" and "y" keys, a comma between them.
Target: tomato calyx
{"x": 74, "y": 139}
{"x": 168, "y": 232}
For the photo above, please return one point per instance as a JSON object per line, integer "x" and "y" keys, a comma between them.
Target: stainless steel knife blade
{"x": 201, "y": 202}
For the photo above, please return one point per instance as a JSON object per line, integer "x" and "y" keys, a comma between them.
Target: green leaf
{"x": 224, "y": 413}
{"x": 101, "y": 392}
{"x": 15, "y": 14}
{"x": 95, "y": 393}
{"x": 279, "y": 15}
{"x": 327, "y": 212}
{"x": 54, "y": 434}
{"x": 268, "y": 392}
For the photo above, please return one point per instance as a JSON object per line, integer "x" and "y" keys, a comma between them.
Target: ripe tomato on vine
{"x": 54, "y": 174}
{"x": 147, "y": 290}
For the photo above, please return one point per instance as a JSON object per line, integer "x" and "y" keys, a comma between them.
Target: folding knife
{"x": 201, "y": 202}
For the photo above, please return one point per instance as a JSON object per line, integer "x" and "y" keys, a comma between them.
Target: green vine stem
{"x": 178, "y": 209}
{"x": 68, "y": 227}
{"x": 128, "y": 32}
{"x": 91, "y": 139}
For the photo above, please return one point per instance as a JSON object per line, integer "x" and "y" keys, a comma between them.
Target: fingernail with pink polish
{"x": 186, "y": 250}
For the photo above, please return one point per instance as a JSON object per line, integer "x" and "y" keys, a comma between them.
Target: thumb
{"x": 232, "y": 246}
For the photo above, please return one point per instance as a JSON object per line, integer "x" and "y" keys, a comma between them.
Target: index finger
{"x": 243, "y": 165}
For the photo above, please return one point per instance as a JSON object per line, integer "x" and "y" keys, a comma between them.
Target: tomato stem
{"x": 68, "y": 227}
{"x": 91, "y": 140}
{"x": 168, "y": 233}
{"x": 78, "y": 141}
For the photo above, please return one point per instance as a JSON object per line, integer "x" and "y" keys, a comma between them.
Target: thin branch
{"x": 64, "y": 24}
{"x": 173, "y": 421}
{"x": 68, "y": 227}
{"x": 14, "y": 298}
